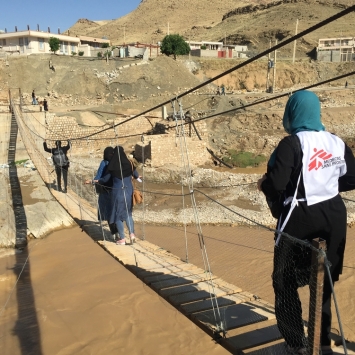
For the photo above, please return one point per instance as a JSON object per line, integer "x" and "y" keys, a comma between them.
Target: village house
{"x": 216, "y": 50}
{"x": 336, "y": 49}
{"x": 37, "y": 42}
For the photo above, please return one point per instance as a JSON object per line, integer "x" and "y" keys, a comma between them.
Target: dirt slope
{"x": 249, "y": 22}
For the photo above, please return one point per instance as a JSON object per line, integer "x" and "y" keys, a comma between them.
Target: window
{"x": 4, "y": 42}
{"x": 61, "y": 47}
{"x": 25, "y": 40}
{"x": 73, "y": 47}
{"x": 41, "y": 44}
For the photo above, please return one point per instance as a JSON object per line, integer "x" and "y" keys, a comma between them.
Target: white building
{"x": 205, "y": 45}
{"x": 34, "y": 42}
{"x": 336, "y": 49}
{"x": 216, "y": 50}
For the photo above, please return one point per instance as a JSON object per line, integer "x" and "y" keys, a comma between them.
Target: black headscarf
{"x": 119, "y": 160}
{"x": 58, "y": 144}
{"x": 108, "y": 153}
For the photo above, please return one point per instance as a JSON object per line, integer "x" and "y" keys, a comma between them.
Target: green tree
{"x": 105, "y": 45}
{"x": 174, "y": 45}
{"x": 54, "y": 44}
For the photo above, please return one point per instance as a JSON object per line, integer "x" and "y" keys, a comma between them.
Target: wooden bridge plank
{"x": 237, "y": 315}
{"x": 252, "y": 335}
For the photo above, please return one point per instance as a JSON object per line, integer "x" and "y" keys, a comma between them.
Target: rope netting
{"x": 219, "y": 227}
{"x": 236, "y": 246}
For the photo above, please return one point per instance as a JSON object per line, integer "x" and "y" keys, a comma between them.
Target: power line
{"x": 257, "y": 102}
{"x": 260, "y": 55}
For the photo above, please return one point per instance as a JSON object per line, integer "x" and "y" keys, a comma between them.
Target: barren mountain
{"x": 150, "y": 21}
{"x": 252, "y": 22}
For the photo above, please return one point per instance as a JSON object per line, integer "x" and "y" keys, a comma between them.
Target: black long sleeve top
{"x": 282, "y": 177}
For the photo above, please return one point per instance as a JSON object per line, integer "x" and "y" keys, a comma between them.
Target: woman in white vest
{"x": 305, "y": 174}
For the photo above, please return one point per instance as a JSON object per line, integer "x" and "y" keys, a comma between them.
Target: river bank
{"x": 74, "y": 298}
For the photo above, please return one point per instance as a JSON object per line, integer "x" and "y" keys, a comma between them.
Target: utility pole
{"x": 294, "y": 43}
{"x": 268, "y": 69}
{"x": 124, "y": 35}
{"x": 274, "y": 72}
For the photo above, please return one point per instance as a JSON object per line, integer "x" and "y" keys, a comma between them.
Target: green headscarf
{"x": 302, "y": 113}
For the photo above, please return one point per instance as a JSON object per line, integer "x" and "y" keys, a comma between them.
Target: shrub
{"x": 105, "y": 45}
{"x": 54, "y": 44}
{"x": 81, "y": 53}
{"x": 73, "y": 53}
{"x": 203, "y": 47}
{"x": 99, "y": 54}
{"x": 243, "y": 159}
{"x": 174, "y": 45}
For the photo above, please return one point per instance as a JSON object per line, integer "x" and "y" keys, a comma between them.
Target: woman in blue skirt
{"x": 121, "y": 171}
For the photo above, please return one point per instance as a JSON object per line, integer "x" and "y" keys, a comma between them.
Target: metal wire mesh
{"x": 237, "y": 249}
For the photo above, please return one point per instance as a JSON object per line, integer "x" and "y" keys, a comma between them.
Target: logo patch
{"x": 322, "y": 159}
{"x": 318, "y": 159}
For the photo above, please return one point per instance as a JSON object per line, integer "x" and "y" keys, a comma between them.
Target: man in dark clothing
{"x": 60, "y": 162}
{"x": 45, "y": 105}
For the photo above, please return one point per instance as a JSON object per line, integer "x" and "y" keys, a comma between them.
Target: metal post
{"x": 316, "y": 284}
{"x": 10, "y": 106}
{"x": 143, "y": 186}
{"x": 274, "y": 72}
{"x": 294, "y": 44}
{"x": 20, "y": 93}
{"x": 268, "y": 70}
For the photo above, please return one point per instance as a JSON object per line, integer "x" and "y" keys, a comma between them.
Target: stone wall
{"x": 160, "y": 149}
{"x": 63, "y": 128}
{"x": 165, "y": 149}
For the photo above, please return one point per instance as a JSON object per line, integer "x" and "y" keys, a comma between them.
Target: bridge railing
{"x": 239, "y": 250}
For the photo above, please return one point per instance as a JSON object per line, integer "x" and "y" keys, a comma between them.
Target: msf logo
{"x": 318, "y": 158}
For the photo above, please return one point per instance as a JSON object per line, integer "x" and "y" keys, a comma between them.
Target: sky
{"x": 60, "y": 13}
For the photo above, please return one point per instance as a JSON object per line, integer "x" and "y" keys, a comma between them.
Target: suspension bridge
{"x": 234, "y": 315}
{"x": 181, "y": 262}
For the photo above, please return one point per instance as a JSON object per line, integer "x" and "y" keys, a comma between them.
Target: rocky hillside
{"x": 251, "y": 22}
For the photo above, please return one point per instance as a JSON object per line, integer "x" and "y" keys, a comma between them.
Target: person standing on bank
{"x": 121, "y": 170}
{"x": 33, "y": 98}
{"x": 104, "y": 191}
{"x": 304, "y": 176}
{"x": 223, "y": 90}
{"x": 60, "y": 162}
{"x": 45, "y": 105}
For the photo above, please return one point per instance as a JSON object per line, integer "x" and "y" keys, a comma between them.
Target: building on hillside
{"x": 91, "y": 45}
{"x": 216, "y": 50}
{"x": 336, "y": 49}
{"x": 37, "y": 42}
{"x": 238, "y": 51}
{"x": 215, "y": 46}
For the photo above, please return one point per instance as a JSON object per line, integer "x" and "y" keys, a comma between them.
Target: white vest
{"x": 323, "y": 163}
